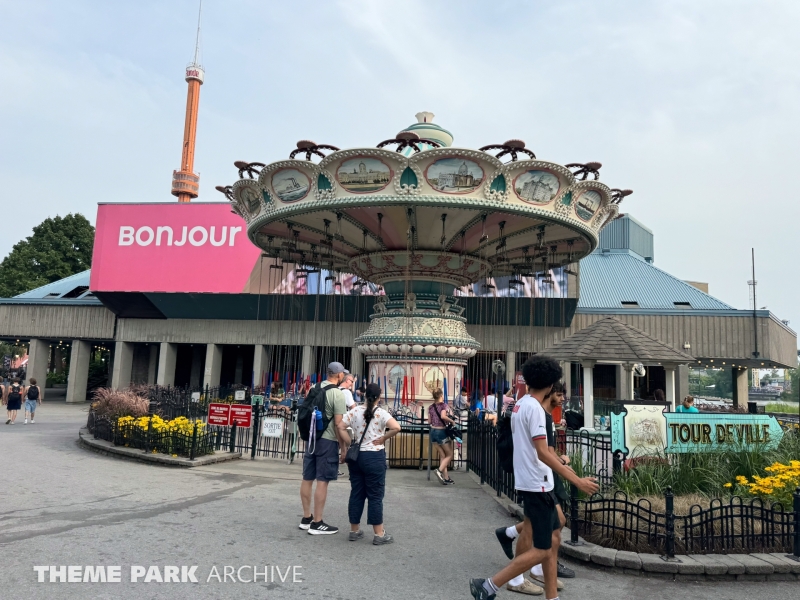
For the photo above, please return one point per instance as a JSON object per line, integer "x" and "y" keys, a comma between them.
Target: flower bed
{"x": 176, "y": 437}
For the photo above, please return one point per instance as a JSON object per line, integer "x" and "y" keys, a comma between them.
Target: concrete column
{"x": 622, "y": 388}
{"x": 629, "y": 384}
{"x": 167, "y": 353}
{"x": 511, "y": 368}
{"x": 588, "y": 394}
{"x": 152, "y": 365}
{"x": 356, "y": 362}
{"x": 79, "y": 357}
{"x": 566, "y": 368}
{"x": 260, "y": 365}
{"x": 38, "y": 360}
{"x": 307, "y": 362}
{"x": 669, "y": 372}
{"x": 682, "y": 382}
{"x": 213, "y": 365}
{"x": 741, "y": 389}
{"x": 123, "y": 365}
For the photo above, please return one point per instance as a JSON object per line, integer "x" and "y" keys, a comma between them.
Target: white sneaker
{"x": 25, "y": 422}
{"x": 32, "y": 421}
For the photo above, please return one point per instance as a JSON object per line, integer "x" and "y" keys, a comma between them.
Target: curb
{"x": 86, "y": 440}
{"x": 758, "y": 566}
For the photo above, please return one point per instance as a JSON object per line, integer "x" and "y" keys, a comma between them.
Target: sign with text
{"x": 242, "y": 414}
{"x": 191, "y": 247}
{"x": 647, "y": 430}
{"x": 272, "y": 427}
{"x": 219, "y": 414}
{"x": 239, "y": 395}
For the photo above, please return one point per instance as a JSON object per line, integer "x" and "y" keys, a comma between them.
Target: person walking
{"x": 13, "y": 400}
{"x": 439, "y": 419}
{"x": 371, "y": 426}
{"x": 534, "y": 466}
{"x": 33, "y": 396}
{"x": 322, "y": 465}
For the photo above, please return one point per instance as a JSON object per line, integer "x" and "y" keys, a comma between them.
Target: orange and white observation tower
{"x": 185, "y": 182}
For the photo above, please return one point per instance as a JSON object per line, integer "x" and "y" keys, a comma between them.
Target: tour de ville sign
{"x": 642, "y": 430}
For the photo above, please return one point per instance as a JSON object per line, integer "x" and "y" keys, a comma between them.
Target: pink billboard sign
{"x": 193, "y": 247}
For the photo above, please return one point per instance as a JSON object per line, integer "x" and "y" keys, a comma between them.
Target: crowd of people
{"x": 14, "y": 393}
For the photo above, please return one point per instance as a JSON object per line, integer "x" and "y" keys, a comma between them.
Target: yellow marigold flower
{"x": 727, "y": 485}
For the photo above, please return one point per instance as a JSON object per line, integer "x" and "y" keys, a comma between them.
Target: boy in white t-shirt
{"x": 533, "y": 473}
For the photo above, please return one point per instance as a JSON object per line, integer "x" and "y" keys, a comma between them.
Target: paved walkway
{"x": 63, "y": 505}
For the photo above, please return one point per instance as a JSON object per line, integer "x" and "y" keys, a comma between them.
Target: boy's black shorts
{"x": 540, "y": 509}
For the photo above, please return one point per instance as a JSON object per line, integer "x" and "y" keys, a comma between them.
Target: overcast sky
{"x": 693, "y": 105}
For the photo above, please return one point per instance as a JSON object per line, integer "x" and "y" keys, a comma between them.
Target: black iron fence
{"x": 611, "y": 519}
{"x": 190, "y": 444}
{"x": 733, "y": 525}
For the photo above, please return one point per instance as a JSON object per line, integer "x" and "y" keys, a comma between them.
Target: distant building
{"x": 462, "y": 179}
{"x": 363, "y": 176}
{"x": 537, "y": 189}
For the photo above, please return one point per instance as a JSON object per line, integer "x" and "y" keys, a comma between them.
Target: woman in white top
{"x": 368, "y": 475}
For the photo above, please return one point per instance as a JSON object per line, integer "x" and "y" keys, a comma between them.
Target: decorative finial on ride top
{"x": 511, "y": 147}
{"x": 424, "y": 117}
{"x": 249, "y": 168}
{"x": 310, "y": 148}
{"x": 618, "y": 195}
{"x": 582, "y": 171}
{"x": 409, "y": 139}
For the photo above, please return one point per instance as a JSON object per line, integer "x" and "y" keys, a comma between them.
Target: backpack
{"x": 314, "y": 400}
{"x": 33, "y": 392}
{"x": 505, "y": 444}
{"x": 14, "y": 393}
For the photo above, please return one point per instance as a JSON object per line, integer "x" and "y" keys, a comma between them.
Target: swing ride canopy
{"x": 422, "y": 220}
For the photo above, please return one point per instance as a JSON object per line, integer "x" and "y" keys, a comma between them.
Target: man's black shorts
{"x": 540, "y": 509}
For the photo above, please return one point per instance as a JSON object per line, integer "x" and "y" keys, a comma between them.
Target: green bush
{"x": 57, "y": 378}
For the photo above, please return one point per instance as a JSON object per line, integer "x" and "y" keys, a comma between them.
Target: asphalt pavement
{"x": 66, "y": 506}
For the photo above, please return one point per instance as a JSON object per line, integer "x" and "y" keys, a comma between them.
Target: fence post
{"x": 573, "y": 517}
{"x": 421, "y": 437}
{"x": 194, "y": 442}
{"x": 670, "y": 525}
{"x": 218, "y": 440}
{"x": 232, "y": 447}
{"x": 480, "y": 428}
{"x": 618, "y": 458}
{"x": 147, "y": 434}
{"x": 796, "y": 554}
{"x": 469, "y": 437}
{"x": 254, "y": 433}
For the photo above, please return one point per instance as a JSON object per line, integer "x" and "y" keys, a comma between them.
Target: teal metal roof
{"x": 74, "y": 286}
{"x": 607, "y": 279}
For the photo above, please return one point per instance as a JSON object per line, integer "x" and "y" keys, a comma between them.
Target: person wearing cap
{"x": 372, "y": 426}
{"x": 323, "y": 465}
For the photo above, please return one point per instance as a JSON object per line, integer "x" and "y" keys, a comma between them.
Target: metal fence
{"x": 174, "y": 443}
{"x": 611, "y": 519}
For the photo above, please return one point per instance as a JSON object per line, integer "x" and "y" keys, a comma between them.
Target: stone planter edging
{"x": 87, "y": 440}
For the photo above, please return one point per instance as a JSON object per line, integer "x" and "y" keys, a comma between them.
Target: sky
{"x": 693, "y": 105}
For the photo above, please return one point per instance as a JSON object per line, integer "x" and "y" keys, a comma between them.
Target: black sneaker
{"x": 320, "y": 528}
{"x": 478, "y": 591}
{"x": 565, "y": 572}
{"x": 506, "y": 542}
{"x": 449, "y": 481}
{"x": 305, "y": 522}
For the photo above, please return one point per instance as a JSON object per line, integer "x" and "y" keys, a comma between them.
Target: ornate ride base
{"x": 417, "y": 338}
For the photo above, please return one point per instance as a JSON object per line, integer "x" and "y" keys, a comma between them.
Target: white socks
{"x": 512, "y": 532}
{"x": 518, "y": 580}
{"x": 537, "y": 570}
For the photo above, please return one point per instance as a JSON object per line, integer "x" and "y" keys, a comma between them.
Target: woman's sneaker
{"x": 322, "y": 528}
{"x": 380, "y": 540}
{"x": 449, "y": 481}
{"x": 565, "y": 572}
{"x": 305, "y": 522}
{"x": 439, "y": 475}
{"x": 355, "y": 536}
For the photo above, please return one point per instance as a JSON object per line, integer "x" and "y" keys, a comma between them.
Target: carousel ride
{"x": 422, "y": 220}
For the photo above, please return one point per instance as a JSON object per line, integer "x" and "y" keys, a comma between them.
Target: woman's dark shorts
{"x": 540, "y": 509}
